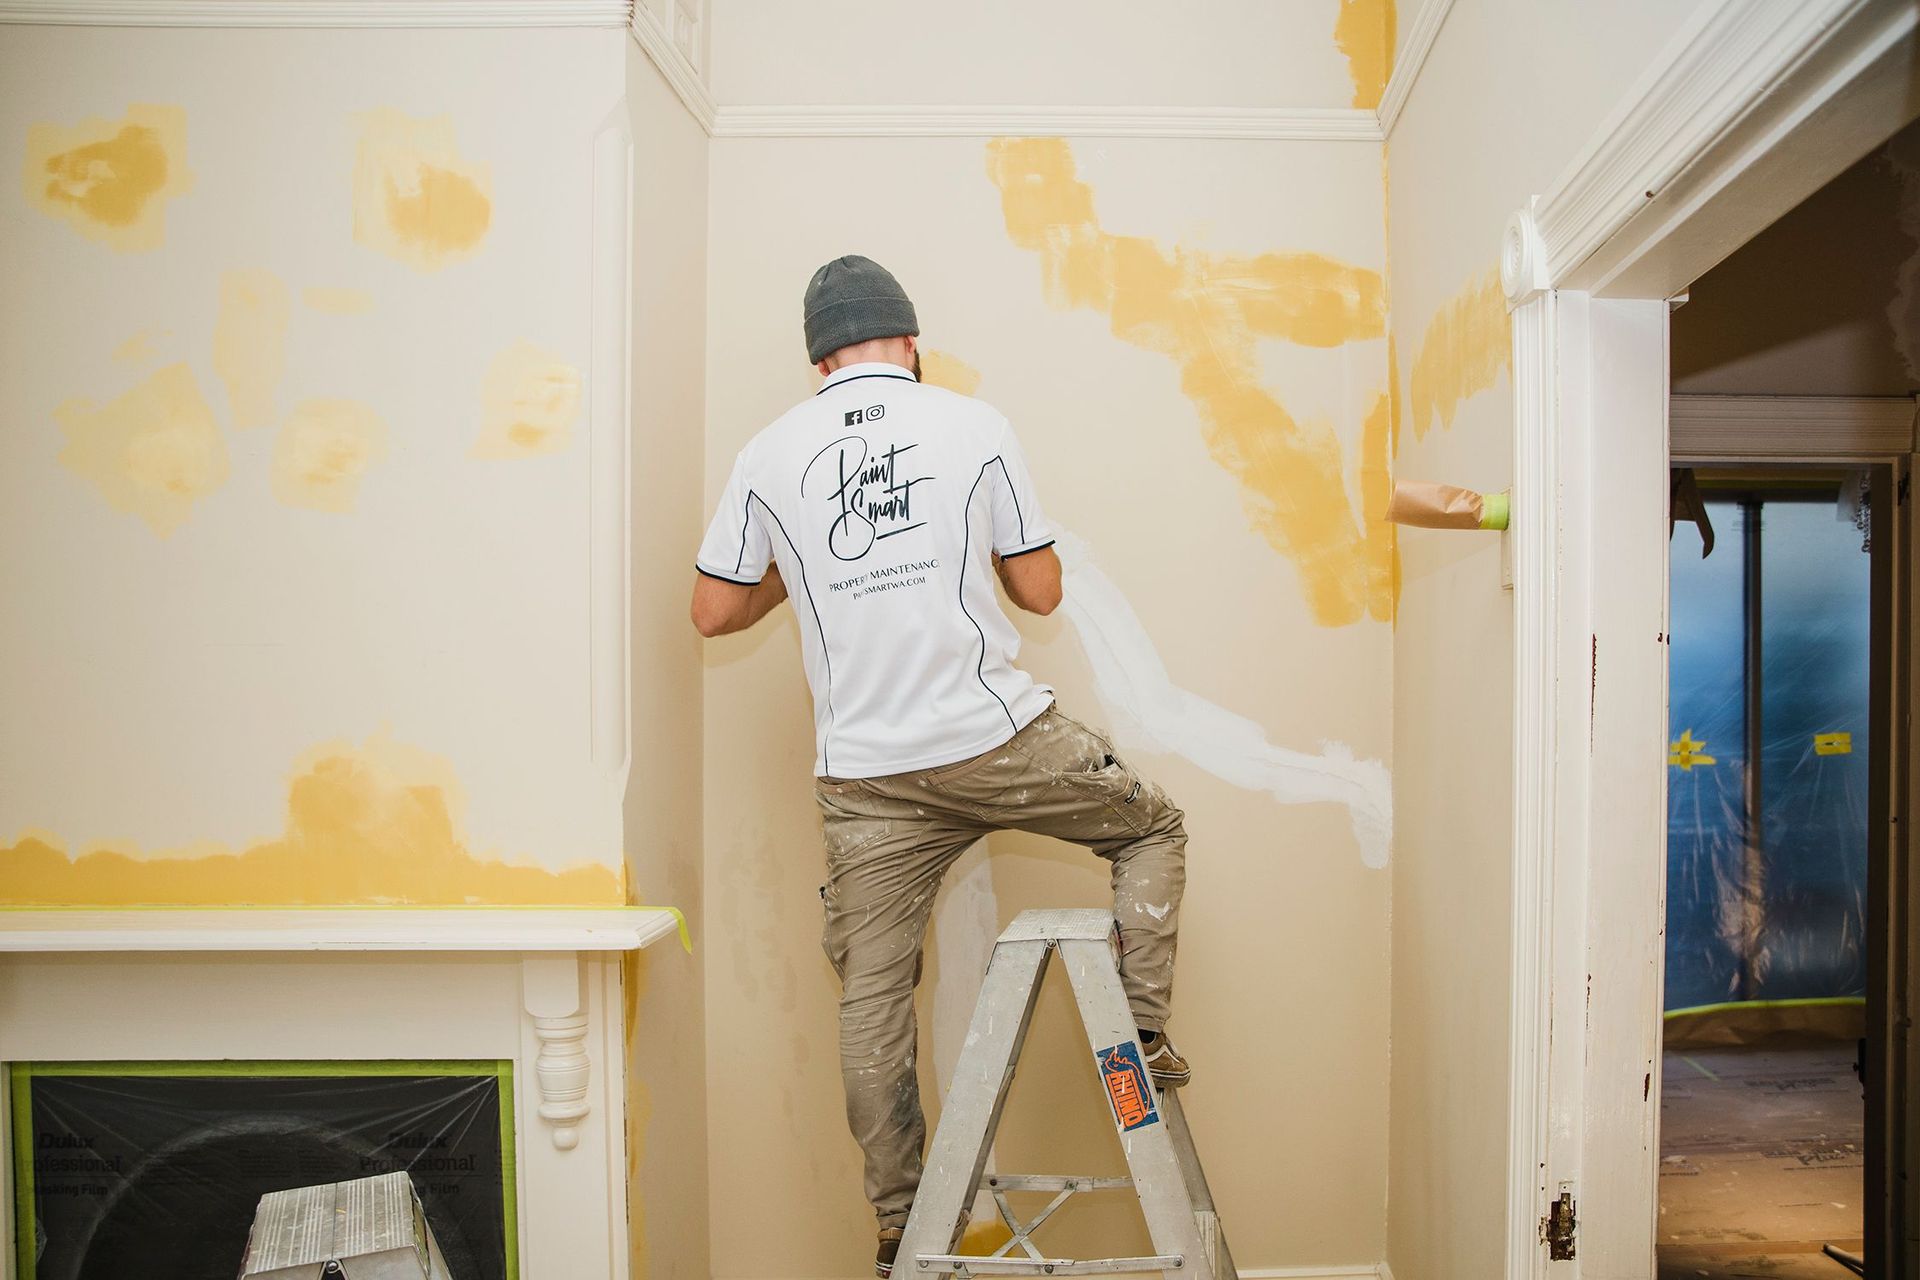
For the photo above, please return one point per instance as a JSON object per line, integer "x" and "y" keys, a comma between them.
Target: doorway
{"x": 1757, "y": 108}
{"x": 1779, "y": 655}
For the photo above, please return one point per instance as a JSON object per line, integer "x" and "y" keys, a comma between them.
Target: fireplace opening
{"x": 155, "y": 1169}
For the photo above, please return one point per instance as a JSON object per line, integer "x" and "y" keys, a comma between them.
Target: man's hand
{"x": 1032, "y": 579}
{"x": 720, "y": 607}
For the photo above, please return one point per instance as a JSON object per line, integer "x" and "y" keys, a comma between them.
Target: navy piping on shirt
{"x": 825, "y": 653}
{"x": 980, "y": 667}
{"x": 746, "y": 514}
{"x": 705, "y": 572}
{"x": 1019, "y": 516}
{"x": 903, "y": 377}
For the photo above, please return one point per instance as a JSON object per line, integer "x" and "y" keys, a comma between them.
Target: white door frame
{"x": 1754, "y": 105}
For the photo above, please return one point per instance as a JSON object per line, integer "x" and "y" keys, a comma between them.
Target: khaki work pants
{"x": 890, "y": 841}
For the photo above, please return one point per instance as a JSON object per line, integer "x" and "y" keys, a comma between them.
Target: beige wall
{"x": 1460, "y": 161}
{"x": 666, "y": 1020}
{"x": 294, "y": 486}
{"x": 1133, "y": 53}
{"x": 1171, "y": 488}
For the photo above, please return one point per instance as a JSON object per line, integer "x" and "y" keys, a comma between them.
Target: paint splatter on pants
{"x": 890, "y": 841}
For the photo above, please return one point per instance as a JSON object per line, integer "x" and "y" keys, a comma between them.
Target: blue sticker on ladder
{"x": 1128, "y": 1088}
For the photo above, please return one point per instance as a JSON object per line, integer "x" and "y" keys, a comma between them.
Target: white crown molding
{"x": 1803, "y": 427}
{"x": 1278, "y": 124}
{"x": 1737, "y": 77}
{"x": 1421, "y": 35}
{"x": 318, "y": 13}
{"x": 681, "y": 75}
{"x": 1302, "y": 124}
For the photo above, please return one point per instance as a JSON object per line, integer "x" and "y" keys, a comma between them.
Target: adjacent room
{"x": 1794, "y": 373}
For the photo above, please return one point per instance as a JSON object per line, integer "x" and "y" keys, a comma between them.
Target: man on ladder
{"x": 886, "y": 507}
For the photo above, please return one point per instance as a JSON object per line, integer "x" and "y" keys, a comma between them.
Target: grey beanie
{"x": 855, "y": 299}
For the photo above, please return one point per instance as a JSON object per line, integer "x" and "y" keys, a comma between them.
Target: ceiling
{"x": 1826, "y": 301}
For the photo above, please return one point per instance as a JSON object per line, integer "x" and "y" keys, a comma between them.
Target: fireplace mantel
{"x": 336, "y": 929}
{"x": 541, "y": 986}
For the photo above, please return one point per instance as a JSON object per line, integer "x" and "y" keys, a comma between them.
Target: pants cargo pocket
{"x": 1120, "y": 789}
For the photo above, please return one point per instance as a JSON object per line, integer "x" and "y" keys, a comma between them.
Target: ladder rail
{"x": 1158, "y": 1178}
{"x": 1196, "y": 1177}
{"x": 950, "y": 1176}
{"x": 1166, "y": 1176}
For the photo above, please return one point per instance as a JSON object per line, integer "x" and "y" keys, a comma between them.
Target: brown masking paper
{"x": 1426, "y": 505}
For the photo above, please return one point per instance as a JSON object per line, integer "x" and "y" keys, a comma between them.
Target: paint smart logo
{"x": 871, "y": 494}
{"x": 1127, "y": 1086}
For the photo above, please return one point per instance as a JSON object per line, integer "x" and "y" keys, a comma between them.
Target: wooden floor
{"x": 1761, "y": 1162}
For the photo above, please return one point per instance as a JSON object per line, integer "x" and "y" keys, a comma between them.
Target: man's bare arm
{"x": 720, "y": 607}
{"x": 1032, "y": 579}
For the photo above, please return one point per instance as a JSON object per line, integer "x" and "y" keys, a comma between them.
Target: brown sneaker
{"x": 1164, "y": 1063}
{"x": 890, "y": 1238}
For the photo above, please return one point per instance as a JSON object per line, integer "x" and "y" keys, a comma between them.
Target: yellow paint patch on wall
{"x": 337, "y": 302}
{"x": 415, "y": 198}
{"x": 1465, "y": 346}
{"x": 138, "y": 349}
{"x": 366, "y": 825}
{"x": 1205, "y": 312}
{"x": 529, "y": 401}
{"x": 944, "y": 369}
{"x": 323, "y": 451}
{"x": 111, "y": 179}
{"x": 250, "y": 342}
{"x": 152, "y": 452}
{"x": 1365, "y": 32}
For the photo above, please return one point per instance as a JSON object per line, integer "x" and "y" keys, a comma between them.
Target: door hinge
{"x": 1557, "y": 1228}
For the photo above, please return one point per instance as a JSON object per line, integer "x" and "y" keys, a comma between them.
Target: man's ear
{"x": 822, "y": 368}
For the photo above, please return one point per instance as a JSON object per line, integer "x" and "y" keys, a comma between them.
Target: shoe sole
{"x": 1173, "y": 1082}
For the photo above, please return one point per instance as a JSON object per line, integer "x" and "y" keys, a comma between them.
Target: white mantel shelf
{"x": 337, "y": 929}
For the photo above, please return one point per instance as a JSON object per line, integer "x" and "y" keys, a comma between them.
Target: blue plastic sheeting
{"x": 1771, "y": 908}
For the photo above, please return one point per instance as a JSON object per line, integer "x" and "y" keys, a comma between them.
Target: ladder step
{"x": 1050, "y": 1182}
{"x": 962, "y": 1265}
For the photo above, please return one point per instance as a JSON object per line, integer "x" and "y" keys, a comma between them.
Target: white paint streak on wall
{"x": 1903, "y": 313}
{"x": 1152, "y": 712}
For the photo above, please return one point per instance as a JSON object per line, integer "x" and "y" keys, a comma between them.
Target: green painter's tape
{"x": 321, "y": 906}
{"x": 509, "y": 1172}
{"x": 270, "y": 1067}
{"x": 680, "y": 921}
{"x": 23, "y": 1219}
{"x": 1494, "y": 509}
{"x": 1808, "y": 1002}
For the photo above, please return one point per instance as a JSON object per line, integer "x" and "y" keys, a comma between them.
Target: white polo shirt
{"x": 882, "y": 500}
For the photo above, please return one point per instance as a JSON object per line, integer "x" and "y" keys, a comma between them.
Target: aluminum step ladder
{"x": 1166, "y": 1176}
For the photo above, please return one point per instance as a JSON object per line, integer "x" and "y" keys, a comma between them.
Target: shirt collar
{"x": 866, "y": 369}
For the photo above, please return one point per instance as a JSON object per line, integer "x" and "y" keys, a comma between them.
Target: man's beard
{"x": 916, "y": 364}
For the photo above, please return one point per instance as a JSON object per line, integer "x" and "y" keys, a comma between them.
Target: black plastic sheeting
{"x": 1774, "y": 908}
{"x": 158, "y": 1176}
